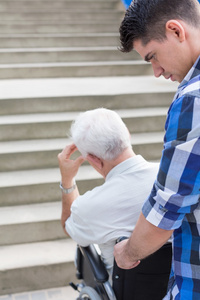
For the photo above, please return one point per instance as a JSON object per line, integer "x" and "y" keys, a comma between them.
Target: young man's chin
{"x": 173, "y": 78}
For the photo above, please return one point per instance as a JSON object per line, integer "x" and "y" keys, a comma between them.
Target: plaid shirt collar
{"x": 193, "y": 72}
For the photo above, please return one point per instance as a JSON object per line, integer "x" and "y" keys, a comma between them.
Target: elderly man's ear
{"x": 95, "y": 161}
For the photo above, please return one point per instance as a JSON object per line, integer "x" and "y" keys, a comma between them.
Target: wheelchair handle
{"x": 121, "y": 239}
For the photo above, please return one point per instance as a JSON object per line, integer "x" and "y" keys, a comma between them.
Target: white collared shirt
{"x": 111, "y": 210}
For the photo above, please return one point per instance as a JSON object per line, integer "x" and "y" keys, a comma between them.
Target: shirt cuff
{"x": 160, "y": 217}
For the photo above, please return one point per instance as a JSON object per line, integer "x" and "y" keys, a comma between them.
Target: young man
{"x": 166, "y": 33}
{"x": 110, "y": 210}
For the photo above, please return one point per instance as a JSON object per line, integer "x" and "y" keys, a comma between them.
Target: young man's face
{"x": 168, "y": 58}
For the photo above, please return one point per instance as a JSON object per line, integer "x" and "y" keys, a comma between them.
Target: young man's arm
{"x": 145, "y": 240}
{"x": 176, "y": 190}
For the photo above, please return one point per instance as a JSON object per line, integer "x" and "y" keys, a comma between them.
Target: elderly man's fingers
{"x": 67, "y": 152}
{"x": 80, "y": 160}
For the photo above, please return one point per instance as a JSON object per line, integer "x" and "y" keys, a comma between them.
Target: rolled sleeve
{"x": 170, "y": 215}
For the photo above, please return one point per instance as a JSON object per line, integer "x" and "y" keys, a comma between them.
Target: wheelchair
{"x": 148, "y": 281}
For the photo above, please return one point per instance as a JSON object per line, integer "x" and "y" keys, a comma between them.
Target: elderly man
{"x": 166, "y": 34}
{"x": 109, "y": 211}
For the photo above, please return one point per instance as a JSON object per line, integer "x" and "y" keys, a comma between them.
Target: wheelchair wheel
{"x": 88, "y": 293}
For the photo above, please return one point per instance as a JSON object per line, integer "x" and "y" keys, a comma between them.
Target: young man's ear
{"x": 176, "y": 28}
{"x": 94, "y": 160}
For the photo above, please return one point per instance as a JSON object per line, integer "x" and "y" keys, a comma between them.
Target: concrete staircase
{"x": 58, "y": 58}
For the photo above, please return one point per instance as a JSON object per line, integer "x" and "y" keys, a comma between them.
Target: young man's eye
{"x": 150, "y": 57}
{"x": 153, "y": 56}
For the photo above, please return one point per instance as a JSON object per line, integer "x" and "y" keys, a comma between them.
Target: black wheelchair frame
{"x": 94, "y": 277}
{"x": 131, "y": 284}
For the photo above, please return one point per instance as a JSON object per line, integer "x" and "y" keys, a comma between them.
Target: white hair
{"x": 100, "y": 132}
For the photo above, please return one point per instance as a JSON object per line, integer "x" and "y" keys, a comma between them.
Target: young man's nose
{"x": 157, "y": 69}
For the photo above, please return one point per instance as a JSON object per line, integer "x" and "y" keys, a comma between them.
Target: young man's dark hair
{"x": 146, "y": 19}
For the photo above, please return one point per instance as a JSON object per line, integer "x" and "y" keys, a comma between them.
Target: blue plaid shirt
{"x": 174, "y": 200}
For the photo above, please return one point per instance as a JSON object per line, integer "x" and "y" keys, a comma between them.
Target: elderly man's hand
{"x": 69, "y": 167}
{"x": 122, "y": 257}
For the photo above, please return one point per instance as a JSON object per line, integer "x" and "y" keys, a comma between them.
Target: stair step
{"x": 37, "y": 154}
{"x": 61, "y": 16}
{"x": 60, "y": 40}
{"x": 60, "y": 27}
{"x": 76, "y": 54}
{"x": 30, "y": 223}
{"x": 36, "y": 266}
{"x": 57, "y": 125}
{"x": 42, "y": 185}
{"x": 59, "y": 24}
{"x": 38, "y": 6}
{"x": 62, "y": 87}
{"x": 70, "y": 103}
{"x": 61, "y": 94}
{"x": 80, "y": 69}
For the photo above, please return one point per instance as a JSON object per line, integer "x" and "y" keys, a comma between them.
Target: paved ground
{"x": 65, "y": 293}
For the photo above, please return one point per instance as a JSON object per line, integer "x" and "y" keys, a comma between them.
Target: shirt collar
{"x": 193, "y": 72}
{"x": 125, "y": 165}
